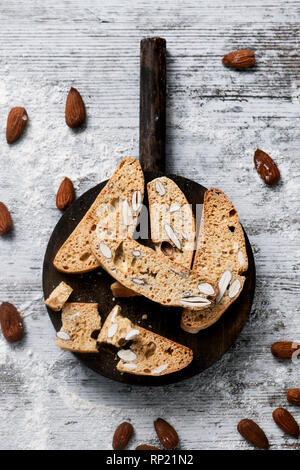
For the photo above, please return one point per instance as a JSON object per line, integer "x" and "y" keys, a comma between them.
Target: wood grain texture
{"x": 216, "y": 118}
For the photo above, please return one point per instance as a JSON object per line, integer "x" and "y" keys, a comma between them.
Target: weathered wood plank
{"x": 216, "y": 118}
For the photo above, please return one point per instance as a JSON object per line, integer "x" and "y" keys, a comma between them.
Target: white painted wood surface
{"x": 216, "y": 119}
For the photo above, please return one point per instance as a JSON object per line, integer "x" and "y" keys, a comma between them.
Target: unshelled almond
{"x": 75, "y": 113}
{"x": 166, "y": 433}
{"x": 286, "y": 422}
{"x": 284, "y": 349}
{"x": 5, "y": 219}
{"x": 253, "y": 433}
{"x": 241, "y": 59}
{"x": 16, "y": 123}
{"x": 65, "y": 194}
{"x": 266, "y": 167}
{"x": 293, "y": 396}
{"x": 146, "y": 447}
{"x": 122, "y": 436}
{"x": 11, "y": 323}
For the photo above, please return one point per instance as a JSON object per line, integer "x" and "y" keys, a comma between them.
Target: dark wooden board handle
{"x": 153, "y": 104}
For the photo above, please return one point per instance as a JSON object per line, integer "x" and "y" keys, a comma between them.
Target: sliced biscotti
{"x": 116, "y": 207}
{"x": 81, "y": 325}
{"x": 173, "y": 227}
{"x": 221, "y": 255}
{"x": 221, "y": 242}
{"x": 148, "y": 353}
{"x": 193, "y": 322}
{"x": 59, "y": 297}
{"x": 150, "y": 273}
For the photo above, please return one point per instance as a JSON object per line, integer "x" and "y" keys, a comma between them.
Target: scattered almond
{"x": 241, "y": 59}
{"x": 266, "y": 167}
{"x": 16, "y": 123}
{"x": 122, "y": 436}
{"x": 250, "y": 431}
{"x": 146, "y": 447}
{"x": 11, "y": 323}
{"x": 166, "y": 433}
{"x": 75, "y": 109}
{"x": 293, "y": 396}
{"x": 286, "y": 422}
{"x": 5, "y": 219}
{"x": 65, "y": 194}
{"x": 284, "y": 349}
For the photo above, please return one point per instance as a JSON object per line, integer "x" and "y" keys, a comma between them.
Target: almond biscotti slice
{"x": 193, "y": 322}
{"x": 221, "y": 243}
{"x": 173, "y": 227}
{"x": 221, "y": 254}
{"x": 59, "y": 297}
{"x": 150, "y": 273}
{"x": 117, "y": 207}
{"x": 81, "y": 325}
{"x": 148, "y": 353}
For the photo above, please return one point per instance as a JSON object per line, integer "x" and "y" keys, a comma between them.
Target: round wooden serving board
{"x": 208, "y": 345}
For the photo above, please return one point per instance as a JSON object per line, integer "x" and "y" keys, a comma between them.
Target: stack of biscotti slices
{"x": 173, "y": 226}
{"x": 163, "y": 275}
{"x": 221, "y": 256}
{"x": 59, "y": 297}
{"x": 81, "y": 325}
{"x": 150, "y": 273}
{"x": 142, "y": 351}
{"x": 117, "y": 207}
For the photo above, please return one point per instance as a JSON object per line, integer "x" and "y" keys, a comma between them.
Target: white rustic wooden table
{"x": 217, "y": 117}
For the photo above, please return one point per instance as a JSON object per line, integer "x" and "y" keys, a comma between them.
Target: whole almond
{"x": 286, "y": 422}
{"x": 253, "y": 433}
{"x": 241, "y": 59}
{"x": 65, "y": 194}
{"x": 146, "y": 447}
{"x": 266, "y": 167}
{"x": 293, "y": 396}
{"x": 16, "y": 123}
{"x": 11, "y": 323}
{"x": 284, "y": 349}
{"x": 75, "y": 109}
{"x": 122, "y": 436}
{"x": 5, "y": 219}
{"x": 166, "y": 433}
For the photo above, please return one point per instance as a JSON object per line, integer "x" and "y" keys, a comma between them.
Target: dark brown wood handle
{"x": 153, "y": 104}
